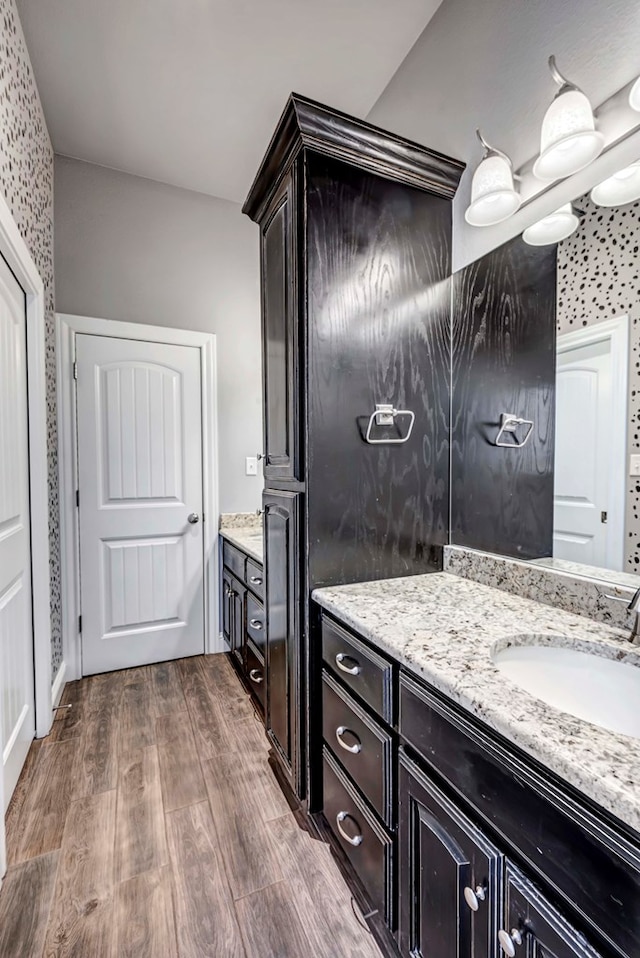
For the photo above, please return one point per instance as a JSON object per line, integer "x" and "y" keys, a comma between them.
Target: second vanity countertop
{"x": 443, "y": 628}
{"x": 249, "y": 539}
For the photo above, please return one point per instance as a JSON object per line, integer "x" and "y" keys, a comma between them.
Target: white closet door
{"x": 16, "y": 636}
{"x": 140, "y": 482}
{"x": 583, "y": 464}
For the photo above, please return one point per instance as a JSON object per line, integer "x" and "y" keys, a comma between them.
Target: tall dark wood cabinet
{"x": 356, "y": 263}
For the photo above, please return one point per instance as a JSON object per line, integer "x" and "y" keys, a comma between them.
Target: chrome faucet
{"x": 634, "y": 606}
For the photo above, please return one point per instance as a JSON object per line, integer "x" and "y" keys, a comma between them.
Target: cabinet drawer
{"x": 364, "y": 671}
{"x": 364, "y": 842}
{"x": 256, "y": 622}
{"x": 361, "y": 745}
{"x": 255, "y": 578}
{"x": 234, "y": 560}
{"x": 255, "y": 673}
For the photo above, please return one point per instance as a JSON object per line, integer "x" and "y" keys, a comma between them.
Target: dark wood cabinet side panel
{"x": 503, "y": 343}
{"x": 284, "y": 647}
{"x": 280, "y": 335}
{"x": 378, "y": 293}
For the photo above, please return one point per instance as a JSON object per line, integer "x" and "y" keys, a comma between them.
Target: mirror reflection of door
{"x": 589, "y": 497}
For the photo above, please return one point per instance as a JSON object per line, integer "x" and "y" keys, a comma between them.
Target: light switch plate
{"x": 251, "y": 466}
{"x": 634, "y": 465}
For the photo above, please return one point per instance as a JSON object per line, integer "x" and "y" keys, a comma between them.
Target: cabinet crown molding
{"x": 306, "y": 124}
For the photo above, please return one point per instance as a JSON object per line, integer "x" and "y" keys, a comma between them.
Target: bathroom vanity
{"x": 478, "y": 820}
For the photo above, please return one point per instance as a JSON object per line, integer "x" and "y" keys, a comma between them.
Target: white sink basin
{"x": 600, "y": 690}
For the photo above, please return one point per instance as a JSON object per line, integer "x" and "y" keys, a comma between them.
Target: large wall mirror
{"x": 551, "y": 333}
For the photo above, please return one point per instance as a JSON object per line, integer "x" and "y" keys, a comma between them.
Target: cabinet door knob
{"x": 473, "y": 897}
{"x": 508, "y": 941}
{"x": 352, "y": 839}
{"x": 354, "y": 749}
{"x": 341, "y": 658}
{"x": 256, "y": 580}
{"x": 255, "y": 624}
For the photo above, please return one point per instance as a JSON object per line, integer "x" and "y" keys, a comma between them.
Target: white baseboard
{"x": 58, "y": 684}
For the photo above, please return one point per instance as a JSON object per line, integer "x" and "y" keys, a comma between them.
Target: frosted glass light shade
{"x": 623, "y": 187}
{"x": 553, "y": 228}
{"x": 493, "y": 194}
{"x": 569, "y": 140}
{"x": 634, "y": 96}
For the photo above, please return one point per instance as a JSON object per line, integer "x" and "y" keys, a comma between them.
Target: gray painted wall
{"x": 133, "y": 249}
{"x": 484, "y": 63}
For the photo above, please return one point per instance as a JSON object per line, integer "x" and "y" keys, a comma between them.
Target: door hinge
{"x": 604, "y": 517}
{"x": 78, "y": 498}
{"x": 75, "y": 370}
{"x": 79, "y": 623}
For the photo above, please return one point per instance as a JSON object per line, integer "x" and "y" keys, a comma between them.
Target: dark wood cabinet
{"x": 449, "y": 875}
{"x": 282, "y": 511}
{"x": 280, "y": 338}
{"x": 355, "y": 227}
{"x": 243, "y": 618}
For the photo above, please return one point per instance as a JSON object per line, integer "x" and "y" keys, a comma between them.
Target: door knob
{"x": 474, "y": 896}
{"x": 508, "y": 941}
{"x": 193, "y": 517}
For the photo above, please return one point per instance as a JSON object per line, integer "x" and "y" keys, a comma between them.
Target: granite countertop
{"x": 247, "y": 538}
{"x": 443, "y": 628}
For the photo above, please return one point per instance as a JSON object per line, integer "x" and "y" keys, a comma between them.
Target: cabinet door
{"x": 282, "y": 553}
{"x": 227, "y": 607}
{"x": 237, "y": 622}
{"x": 533, "y": 928}
{"x": 280, "y": 339}
{"x": 449, "y": 875}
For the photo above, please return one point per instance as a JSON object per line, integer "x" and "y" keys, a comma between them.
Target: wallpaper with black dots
{"x": 599, "y": 279}
{"x": 26, "y": 181}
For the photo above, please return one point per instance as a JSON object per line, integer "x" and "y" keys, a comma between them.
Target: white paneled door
{"x": 140, "y": 483}
{"x": 584, "y": 468}
{"x": 16, "y": 637}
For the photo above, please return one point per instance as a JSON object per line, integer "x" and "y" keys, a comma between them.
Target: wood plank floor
{"x": 149, "y": 824}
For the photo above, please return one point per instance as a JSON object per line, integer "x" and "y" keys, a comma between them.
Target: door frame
{"x": 616, "y": 331}
{"x": 16, "y": 253}
{"x": 67, "y": 327}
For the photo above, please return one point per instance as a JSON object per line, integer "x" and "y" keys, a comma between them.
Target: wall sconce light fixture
{"x": 569, "y": 140}
{"x": 623, "y": 187}
{"x": 553, "y": 228}
{"x": 494, "y": 197}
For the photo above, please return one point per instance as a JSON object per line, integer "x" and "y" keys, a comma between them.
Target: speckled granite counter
{"x": 247, "y": 538}
{"x": 443, "y": 628}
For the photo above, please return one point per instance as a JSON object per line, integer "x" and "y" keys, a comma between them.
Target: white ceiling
{"x": 188, "y": 91}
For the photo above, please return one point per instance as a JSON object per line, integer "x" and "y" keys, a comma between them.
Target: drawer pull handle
{"x": 256, "y": 580}
{"x": 341, "y": 657}
{"x": 256, "y": 676}
{"x": 473, "y": 898}
{"x": 255, "y": 624}
{"x": 354, "y": 749}
{"x": 509, "y": 941}
{"x": 356, "y": 839}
